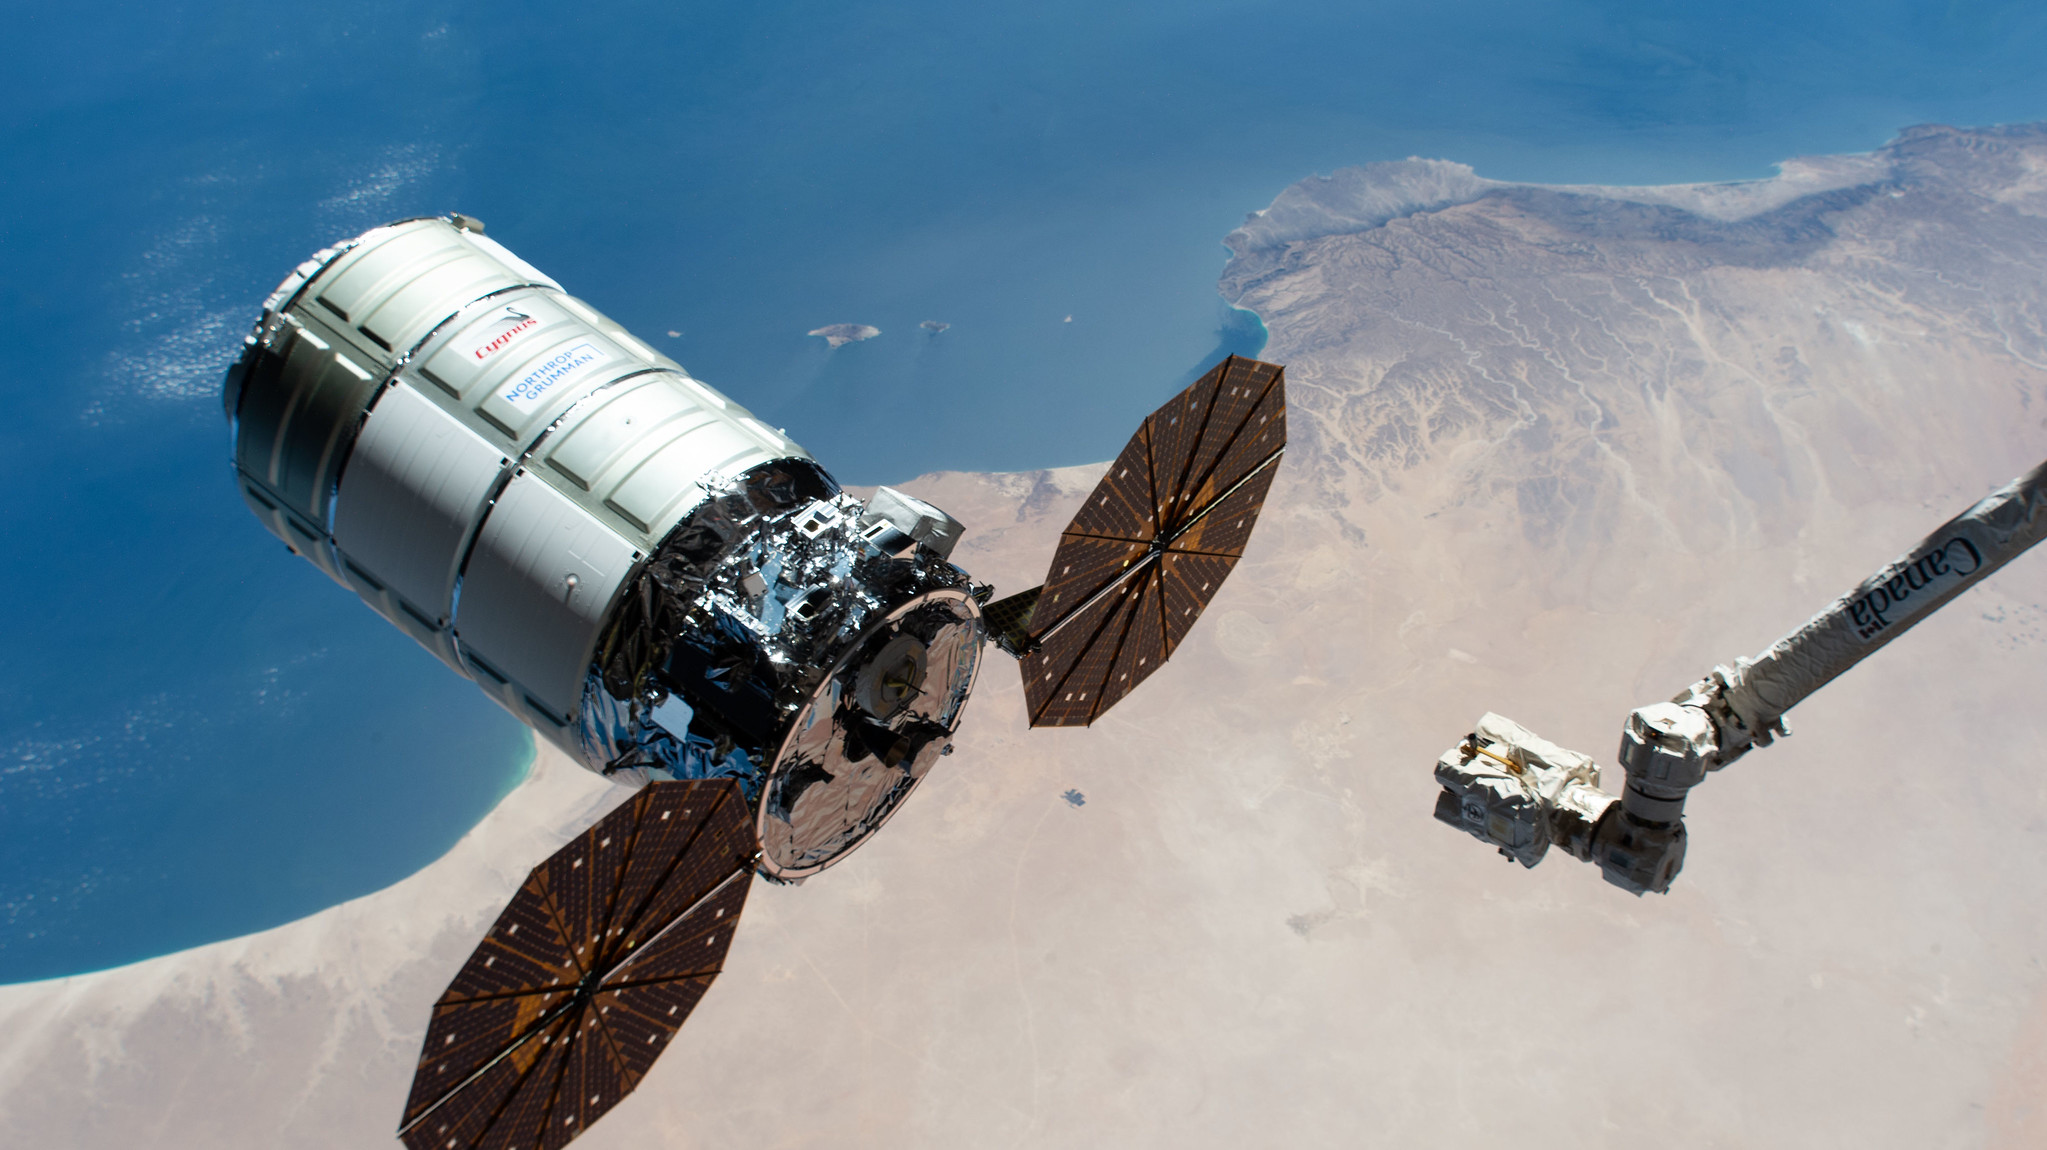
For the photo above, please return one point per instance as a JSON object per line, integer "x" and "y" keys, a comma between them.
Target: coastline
{"x": 520, "y": 773}
{"x": 1364, "y": 197}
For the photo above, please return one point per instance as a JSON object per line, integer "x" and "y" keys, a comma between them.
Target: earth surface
{"x": 1555, "y": 452}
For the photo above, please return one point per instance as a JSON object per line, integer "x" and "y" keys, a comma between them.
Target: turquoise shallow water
{"x": 199, "y": 736}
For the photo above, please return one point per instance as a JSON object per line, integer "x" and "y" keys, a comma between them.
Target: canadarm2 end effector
{"x": 1519, "y": 792}
{"x": 1522, "y": 794}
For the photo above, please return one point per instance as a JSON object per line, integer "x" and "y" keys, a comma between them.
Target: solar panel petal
{"x": 591, "y": 1083}
{"x": 465, "y": 1036}
{"x": 1257, "y": 438}
{"x": 1008, "y": 620}
{"x": 1176, "y": 430}
{"x": 525, "y": 948}
{"x": 694, "y": 946}
{"x": 1143, "y": 647}
{"x": 1247, "y": 392}
{"x": 476, "y": 1114}
{"x": 574, "y": 904}
{"x": 517, "y": 1121}
{"x": 642, "y": 1018}
{"x": 527, "y": 1115}
{"x": 1121, "y": 505}
{"x": 1063, "y": 680}
{"x": 1189, "y": 581}
{"x": 660, "y": 835}
{"x": 711, "y": 855}
{"x": 1225, "y": 527}
{"x": 1083, "y": 566}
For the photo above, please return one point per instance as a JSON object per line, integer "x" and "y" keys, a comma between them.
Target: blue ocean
{"x": 200, "y": 736}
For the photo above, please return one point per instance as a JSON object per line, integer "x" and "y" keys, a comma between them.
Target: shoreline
{"x": 1362, "y": 197}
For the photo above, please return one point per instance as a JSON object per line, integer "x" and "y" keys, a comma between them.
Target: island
{"x": 838, "y": 335}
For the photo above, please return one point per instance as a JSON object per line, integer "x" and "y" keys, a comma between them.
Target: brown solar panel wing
{"x": 642, "y": 1017}
{"x": 1194, "y": 565}
{"x": 1153, "y": 542}
{"x": 521, "y": 1120}
{"x": 589, "y": 1083}
{"x": 1199, "y": 436}
{"x": 586, "y": 975}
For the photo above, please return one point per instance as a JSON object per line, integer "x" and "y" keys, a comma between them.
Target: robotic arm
{"x": 1522, "y": 794}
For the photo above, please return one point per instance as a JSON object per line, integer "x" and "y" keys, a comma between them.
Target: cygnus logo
{"x": 499, "y": 331}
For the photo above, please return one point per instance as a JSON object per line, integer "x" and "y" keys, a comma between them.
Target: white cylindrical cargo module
{"x": 426, "y": 412}
{"x": 630, "y": 562}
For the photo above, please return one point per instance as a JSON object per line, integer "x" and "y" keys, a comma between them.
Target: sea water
{"x": 201, "y": 736}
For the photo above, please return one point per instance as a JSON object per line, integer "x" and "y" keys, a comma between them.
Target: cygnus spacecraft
{"x": 679, "y": 596}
